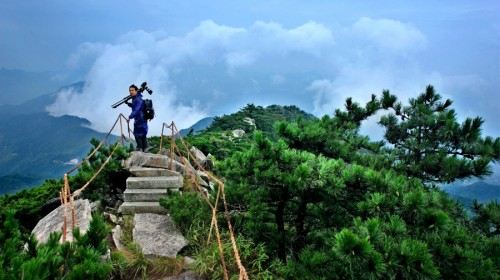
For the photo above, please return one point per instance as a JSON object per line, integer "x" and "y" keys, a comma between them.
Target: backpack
{"x": 148, "y": 110}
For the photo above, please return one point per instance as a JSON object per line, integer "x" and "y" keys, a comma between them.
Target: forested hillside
{"x": 263, "y": 118}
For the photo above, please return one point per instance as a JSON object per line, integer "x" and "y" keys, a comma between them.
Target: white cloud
{"x": 389, "y": 34}
{"x": 360, "y": 82}
{"x": 373, "y": 55}
{"x": 72, "y": 162}
{"x": 85, "y": 52}
{"x": 311, "y": 37}
{"x": 238, "y": 59}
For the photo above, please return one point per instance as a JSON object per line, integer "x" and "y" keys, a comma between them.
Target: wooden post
{"x": 172, "y": 143}
{"x": 121, "y": 130}
{"x": 70, "y": 200}
{"x": 65, "y": 220}
{"x": 161, "y": 137}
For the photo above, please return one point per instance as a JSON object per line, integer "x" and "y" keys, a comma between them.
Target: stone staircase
{"x": 144, "y": 190}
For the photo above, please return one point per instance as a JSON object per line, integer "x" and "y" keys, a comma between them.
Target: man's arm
{"x": 136, "y": 108}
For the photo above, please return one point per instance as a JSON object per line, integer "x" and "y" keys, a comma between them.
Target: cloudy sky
{"x": 207, "y": 58}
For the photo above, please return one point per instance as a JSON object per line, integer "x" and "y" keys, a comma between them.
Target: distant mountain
{"x": 36, "y": 146}
{"x": 16, "y": 182}
{"x": 19, "y": 86}
{"x": 37, "y": 104}
{"x": 198, "y": 126}
{"x": 264, "y": 118}
{"x": 481, "y": 191}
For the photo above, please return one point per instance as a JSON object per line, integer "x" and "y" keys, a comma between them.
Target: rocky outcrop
{"x": 157, "y": 235}
{"x": 249, "y": 121}
{"x": 140, "y": 159}
{"x": 54, "y": 221}
{"x": 116, "y": 234}
{"x": 238, "y": 133}
{"x": 199, "y": 155}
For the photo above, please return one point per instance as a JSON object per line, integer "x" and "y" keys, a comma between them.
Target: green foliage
{"x": 426, "y": 140}
{"x": 254, "y": 257}
{"x": 193, "y": 216}
{"x": 285, "y": 194}
{"x": 81, "y": 259}
{"x": 96, "y": 235}
{"x": 334, "y": 138}
{"x": 351, "y": 220}
{"x": 110, "y": 180}
{"x": 26, "y": 205}
{"x": 188, "y": 209}
{"x": 487, "y": 218}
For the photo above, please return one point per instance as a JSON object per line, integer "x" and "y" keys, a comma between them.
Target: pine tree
{"x": 431, "y": 145}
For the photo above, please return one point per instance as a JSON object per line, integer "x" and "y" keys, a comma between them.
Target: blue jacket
{"x": 140, "y": 124}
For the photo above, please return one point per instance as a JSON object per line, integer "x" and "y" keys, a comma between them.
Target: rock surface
{"x": 199, "y": 155}
{"x": 138, "y": 171}
{"x": 238, "y": 133}
{"x": 110, "y": 218}
{"x": 172, "y": 182}
{"x": 117, "y": 236}
{"x": 157, "y": 235}
{"x": 249, "y": 121}
{"x": 54, "y": 221}
{"x": 141, "y": 207}
{"x": 95, "y": 206}
{"x": 152, "y": 160}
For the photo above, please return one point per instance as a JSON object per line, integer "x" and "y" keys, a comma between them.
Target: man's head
{"x": 132, "y": 90}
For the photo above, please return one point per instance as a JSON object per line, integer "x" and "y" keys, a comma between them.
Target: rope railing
{"x": 220, "y": 192}
{"x": 103, "y": 140}
{"x": 65, "y": 195}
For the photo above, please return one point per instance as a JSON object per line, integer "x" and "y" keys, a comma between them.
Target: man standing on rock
{"x": 140, "y": 124}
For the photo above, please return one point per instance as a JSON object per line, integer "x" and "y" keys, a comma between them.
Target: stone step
{"x": 138, "y": 171}
{"x": 141, "y": 159}
{"x": 141, "y": 207}
{"x": 171, "y": 182}
{"x": 137, "y": 195}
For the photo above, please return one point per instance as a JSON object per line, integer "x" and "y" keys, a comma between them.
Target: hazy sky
{"x": 212, "y": 57}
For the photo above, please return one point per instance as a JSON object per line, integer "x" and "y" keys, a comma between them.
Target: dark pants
{"x": 142, "y": 143}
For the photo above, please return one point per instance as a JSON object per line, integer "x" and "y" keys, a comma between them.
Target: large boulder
{"x": 54, "y": 221}
{"x": 238, "y": 133}
{"x": 199, "y": 155}
{"x": 147, "y": 160}
{"x": 117, "y": 236}
{"x": 153, "y": 160}
{"x": 209, "y": 163}
{"x": 157, "y": 235}
{"x": 249, "y": 121}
